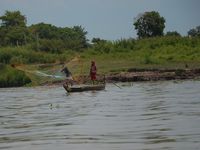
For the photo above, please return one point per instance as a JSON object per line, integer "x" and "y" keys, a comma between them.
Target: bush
{"x": 103, "y": 46}
{"x": 10, "y": 77}
{"x": 147, "y": 59}
{"x": 53, "y": 46}
{"x": 5, "y": 57}
{"x": 125, "y": 44}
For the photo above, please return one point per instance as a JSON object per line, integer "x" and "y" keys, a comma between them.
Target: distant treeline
{"x": 41, "y": 36}
{"x": 49, "y": 38}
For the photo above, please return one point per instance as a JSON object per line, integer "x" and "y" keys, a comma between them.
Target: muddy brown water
{"x": 139, "y": 116}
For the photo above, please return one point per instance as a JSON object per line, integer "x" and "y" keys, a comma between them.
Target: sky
{"x": 106, "y": 19}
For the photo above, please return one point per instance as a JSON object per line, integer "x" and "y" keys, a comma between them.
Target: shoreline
{"x": 136, "y": 75}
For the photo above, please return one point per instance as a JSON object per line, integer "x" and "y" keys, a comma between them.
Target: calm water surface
{"x": 139, "y": 116}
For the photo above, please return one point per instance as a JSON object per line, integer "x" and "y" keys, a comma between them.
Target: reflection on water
{"x": 141, "y": 116}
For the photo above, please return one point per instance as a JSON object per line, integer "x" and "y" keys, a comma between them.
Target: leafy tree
{"x": 16, "y": 36}
{"x": 44, "y": 37}
{"x": 53, "y": 46}
{"x": 194, "y": 32}
{"x": 44, "y": 31}
{"x": 3, "y": 32}
{"x": 80, "y": 36}
{"x": 13, "y": 29}
{"x": 63, "y": 38}
{"x": 14, "y": 18}
{"x": 149, "y": 24}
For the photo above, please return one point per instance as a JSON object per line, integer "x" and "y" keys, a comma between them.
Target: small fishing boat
{"x": 82, "y": 88}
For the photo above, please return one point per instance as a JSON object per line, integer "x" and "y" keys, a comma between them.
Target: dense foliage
{"x": 41, "y": 36}
{"x": 49, "y": 38}
{"x": 194, "y": 32}
{"x": 149, "y": 24}
{"x": 11, "y": 77}
{"x": 13, "y": 29}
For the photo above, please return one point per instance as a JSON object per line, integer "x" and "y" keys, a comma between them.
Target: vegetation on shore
{"x": 46, "y": 48}
{"x": 11, "y": 77}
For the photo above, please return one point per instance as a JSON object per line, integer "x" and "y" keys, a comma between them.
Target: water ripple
{"x": 142, "y": 116}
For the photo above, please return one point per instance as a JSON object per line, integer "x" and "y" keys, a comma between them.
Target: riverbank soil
{"x": 154, "y": 75}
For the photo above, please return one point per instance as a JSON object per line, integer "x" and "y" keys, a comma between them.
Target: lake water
{"x": 139, "y": 116}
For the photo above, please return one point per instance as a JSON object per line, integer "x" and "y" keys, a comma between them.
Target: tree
{"x": 46, "y": 37}
{"x": 14, "y": 18}
{"x": 44, "y": 31}
{"x": 13, "y": 29}
{"x": 80, "y": 36}
{"x": 16, "y": 36}
{"x": 194, "y": 32}
{"x": 149, "y": 24}
{"x": 63, "y": 38}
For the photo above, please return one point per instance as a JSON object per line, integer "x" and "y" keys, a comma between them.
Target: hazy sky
{"x": 107, "y": 19}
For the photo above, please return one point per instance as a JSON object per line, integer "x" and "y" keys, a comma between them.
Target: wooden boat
{"x": 82, "y": 88}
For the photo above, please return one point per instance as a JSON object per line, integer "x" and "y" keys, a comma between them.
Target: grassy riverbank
{"x": 111, "y": 57}
{"x": 160, "y": 52}
{"x": 10, "y": 77}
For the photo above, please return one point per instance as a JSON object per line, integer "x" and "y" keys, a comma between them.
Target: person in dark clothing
{"x": 68, "y": 74}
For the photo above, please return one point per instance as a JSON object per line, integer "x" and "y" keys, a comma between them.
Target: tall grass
{"x": 162, "y": 52}
{"x": 23, "y": 55}
{"x": 10, "y": 77}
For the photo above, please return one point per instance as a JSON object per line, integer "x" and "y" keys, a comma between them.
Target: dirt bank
{"x": 154, "y": 75}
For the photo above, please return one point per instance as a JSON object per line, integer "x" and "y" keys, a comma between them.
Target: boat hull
{"x": 82, "y": 88}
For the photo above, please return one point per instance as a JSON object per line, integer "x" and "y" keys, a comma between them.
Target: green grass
{"x": 111, "y": 57}
{"x": 24, "y": 55}
{"x": 10, "y": 77}
{"x": 164, "y": 56}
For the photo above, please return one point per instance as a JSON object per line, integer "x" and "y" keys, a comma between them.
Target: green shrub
{"x": 147, "y": 59}
{"x": 10, "y": 77}
{"x": 5, "y": 56}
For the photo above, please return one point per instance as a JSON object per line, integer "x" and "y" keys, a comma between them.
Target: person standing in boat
{"x": 68, "y": 74}
{"x": 93, "y": 71}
